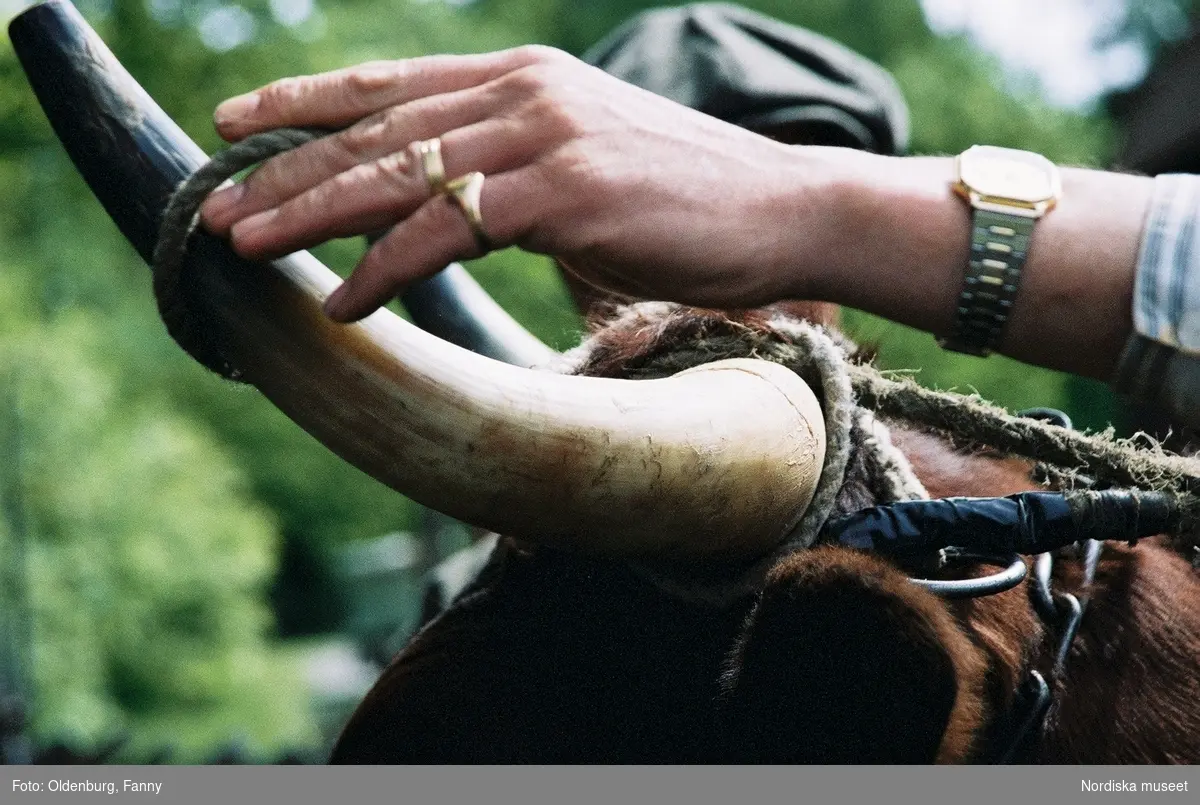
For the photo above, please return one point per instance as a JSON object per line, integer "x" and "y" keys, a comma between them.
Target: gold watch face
{"x": 1008, "y": 174}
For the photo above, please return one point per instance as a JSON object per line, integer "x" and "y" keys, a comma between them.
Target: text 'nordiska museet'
{"x": 1107, "y": 786}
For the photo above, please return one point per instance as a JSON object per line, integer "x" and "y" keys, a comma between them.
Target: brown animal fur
{"x": 1132, "y": 687}
{"x": 900, "y": 663}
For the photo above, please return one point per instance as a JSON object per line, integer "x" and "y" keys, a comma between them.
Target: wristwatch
{"x": 1008, "y": 190}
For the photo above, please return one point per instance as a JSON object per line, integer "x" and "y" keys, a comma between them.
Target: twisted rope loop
{"x": 179, "y": 222}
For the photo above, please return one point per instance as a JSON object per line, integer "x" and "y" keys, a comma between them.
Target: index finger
{"x": 339, "y": 98}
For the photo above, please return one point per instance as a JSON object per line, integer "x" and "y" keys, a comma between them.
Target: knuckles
{"x": 367, "y": 137}
{"x": 363, "y": 82}
{"x": 372, "y": 78}
{"x": 281, "y": 95}
{"x": 547, "y": 98}
{"x": 559, "y": 115}
{"x": 542, "y": 54}
{"x": 530, "y": 81}
{"x": 396, "y": 169}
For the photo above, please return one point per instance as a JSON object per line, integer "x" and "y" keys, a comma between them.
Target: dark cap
{"x": 759, "y": 73}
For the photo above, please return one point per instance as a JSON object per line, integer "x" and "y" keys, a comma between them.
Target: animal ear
{"x": 844, "y": 660}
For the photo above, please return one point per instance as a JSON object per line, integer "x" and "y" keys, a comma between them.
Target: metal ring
{"x": 1036, "y": 691}
{"x": 1013, "y": 574}
{"x": 430, "y": 152}
{"x": 1043, "y": 599}
{"x": 466, "y": 192}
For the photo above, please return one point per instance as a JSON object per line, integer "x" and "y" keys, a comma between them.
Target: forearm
{"x": 897, "y": 241}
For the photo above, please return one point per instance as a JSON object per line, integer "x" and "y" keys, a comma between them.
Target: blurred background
{"x": 185, "y": 576}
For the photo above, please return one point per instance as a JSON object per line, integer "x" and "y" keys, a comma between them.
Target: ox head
{"x": 719, "y": 461}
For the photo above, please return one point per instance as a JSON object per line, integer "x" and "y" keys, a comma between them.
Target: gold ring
{"x": 431, "y": 163}
{"x": 466, "y": 191}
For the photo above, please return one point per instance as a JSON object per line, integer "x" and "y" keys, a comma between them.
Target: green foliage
{"x": 146, "y": 556}
{"x": 155, "y": 494}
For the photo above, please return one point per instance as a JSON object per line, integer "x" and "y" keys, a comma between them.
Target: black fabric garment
{"x": 759, "y": 73}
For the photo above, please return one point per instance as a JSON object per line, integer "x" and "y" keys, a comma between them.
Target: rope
{"x": 186, "y": 325}
{"x": 1072, "y": 459}
{"x": 680, "y": 338}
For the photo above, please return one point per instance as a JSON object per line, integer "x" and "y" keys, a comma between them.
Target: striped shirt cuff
{"x": 1166, "y": 292}
{"x": 1161, "y": 361}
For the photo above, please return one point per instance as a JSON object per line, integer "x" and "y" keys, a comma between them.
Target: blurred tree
{"x": 126, "y": 640}
{"x": 135, "y": 555}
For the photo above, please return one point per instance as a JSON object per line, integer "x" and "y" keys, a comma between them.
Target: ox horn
{"x": 718, "y": 460}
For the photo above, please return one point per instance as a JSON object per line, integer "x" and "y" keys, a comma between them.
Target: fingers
{"x": 380, "y": 135}
{"x": 371, "y": 196}
{"x": 337, "y": 99}
{"x": 375, "y": 195}
{"x": 499, "y": 111}
{"x": 434, "y": 236}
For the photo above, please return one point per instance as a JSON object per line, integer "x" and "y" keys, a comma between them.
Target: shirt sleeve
{"x": 1160, "y": 364}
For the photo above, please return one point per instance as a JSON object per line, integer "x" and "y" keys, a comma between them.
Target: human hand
{"x": 633, "y": 192}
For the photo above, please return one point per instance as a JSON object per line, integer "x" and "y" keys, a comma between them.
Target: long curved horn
{"x": 722, "y": 459}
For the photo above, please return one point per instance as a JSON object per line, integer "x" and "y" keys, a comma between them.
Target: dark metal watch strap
{"x": 999, "y": 243}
